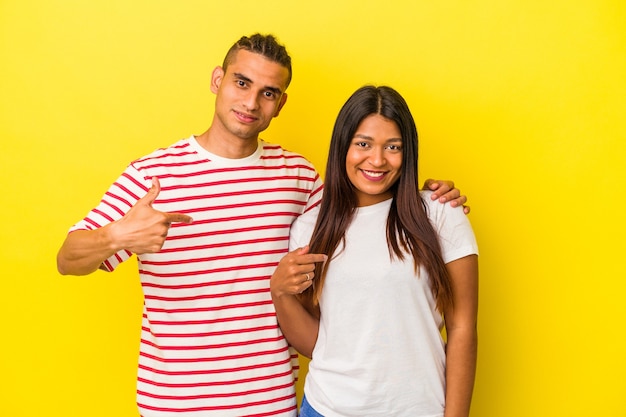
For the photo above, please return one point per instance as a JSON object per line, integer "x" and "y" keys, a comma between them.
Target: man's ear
{"x": 216, "y": 79}
{"x": 283, "y": 100}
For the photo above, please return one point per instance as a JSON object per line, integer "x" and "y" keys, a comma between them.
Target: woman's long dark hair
{"x": 409, "y": 230}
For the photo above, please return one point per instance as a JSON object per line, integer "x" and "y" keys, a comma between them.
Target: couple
{"x": 209, "y": 219}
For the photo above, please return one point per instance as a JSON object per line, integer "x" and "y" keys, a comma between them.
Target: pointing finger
{"x": 178, "y": 217}
{"x": 303, "y": 256}
{"x": 312, "y": 258}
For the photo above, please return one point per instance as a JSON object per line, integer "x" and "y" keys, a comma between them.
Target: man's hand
{"x": 295, "y": 272}
{"x": 144, "y": 229}
{"x": 444, "y": 191}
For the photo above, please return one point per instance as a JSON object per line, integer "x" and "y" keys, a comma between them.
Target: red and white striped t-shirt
{"x": 210, "y": 342}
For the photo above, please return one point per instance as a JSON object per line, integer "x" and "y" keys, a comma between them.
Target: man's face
{"x": 249, "y": 94}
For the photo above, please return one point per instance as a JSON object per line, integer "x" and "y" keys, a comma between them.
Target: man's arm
{"x": 83, "y": 251}
{"x": 444, "y": 191}
{"x": 141, "y": 230}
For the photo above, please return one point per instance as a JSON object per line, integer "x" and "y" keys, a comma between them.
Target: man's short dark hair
{"x": 265, "y": 45}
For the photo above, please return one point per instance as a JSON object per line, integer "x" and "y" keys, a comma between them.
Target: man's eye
{"x": 269, "y": 94}
{"x": 241, "y": 83}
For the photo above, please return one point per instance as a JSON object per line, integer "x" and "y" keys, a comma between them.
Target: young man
{"x": 209, "y": 218}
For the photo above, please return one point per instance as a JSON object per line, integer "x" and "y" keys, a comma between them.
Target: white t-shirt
{"x": 379, "y": 350}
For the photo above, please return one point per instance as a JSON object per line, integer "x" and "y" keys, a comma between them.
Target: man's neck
{"x": 226, "y": 145}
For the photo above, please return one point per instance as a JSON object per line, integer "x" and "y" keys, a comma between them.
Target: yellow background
{"x": 521, "y": 102}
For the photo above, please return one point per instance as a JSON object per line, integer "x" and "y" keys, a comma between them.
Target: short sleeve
{"x": 302, "y": 229}
{"x": 456, "y": 235}
{"x": 120, "y": 197}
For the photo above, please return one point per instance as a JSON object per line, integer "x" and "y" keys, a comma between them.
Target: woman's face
{"x": 374, "y": 159}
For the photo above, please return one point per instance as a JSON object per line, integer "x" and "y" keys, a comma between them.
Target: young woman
{"x": 379, "y": 270}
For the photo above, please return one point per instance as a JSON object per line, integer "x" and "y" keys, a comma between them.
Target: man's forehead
{"x": 256, "y": 68}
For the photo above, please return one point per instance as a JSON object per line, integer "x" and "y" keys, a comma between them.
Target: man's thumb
{"x": 153, "y": 192}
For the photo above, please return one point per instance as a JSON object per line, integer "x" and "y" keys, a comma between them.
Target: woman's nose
{"x": 376, "y": 157}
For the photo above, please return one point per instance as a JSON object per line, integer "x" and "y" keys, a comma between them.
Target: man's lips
{"x": 243, "y": 117}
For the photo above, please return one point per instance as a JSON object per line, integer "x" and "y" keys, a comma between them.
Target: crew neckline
{"x": 227, "y": 161}
{"x": 383, "y": 205}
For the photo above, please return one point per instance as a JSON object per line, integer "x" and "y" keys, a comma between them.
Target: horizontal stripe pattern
{"x": 210, "y": 342}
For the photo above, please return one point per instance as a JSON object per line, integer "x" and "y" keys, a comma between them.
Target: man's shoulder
{"x": 178, "y": 149}
{"x": 275, "y": 151}
{"x": 270, "y": 147}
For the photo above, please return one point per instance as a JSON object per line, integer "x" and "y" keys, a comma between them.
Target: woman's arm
{"x": 298, "y": 320}
{"x": 461, "y": 330}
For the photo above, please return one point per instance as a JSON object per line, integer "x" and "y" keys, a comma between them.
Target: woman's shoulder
{"x": 440, "y": 211}
{"x": 302, "y": 228}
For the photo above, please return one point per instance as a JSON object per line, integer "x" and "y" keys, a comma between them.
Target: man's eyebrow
{"x": 274, "y": 90}
{"x": 242, "y": 77}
